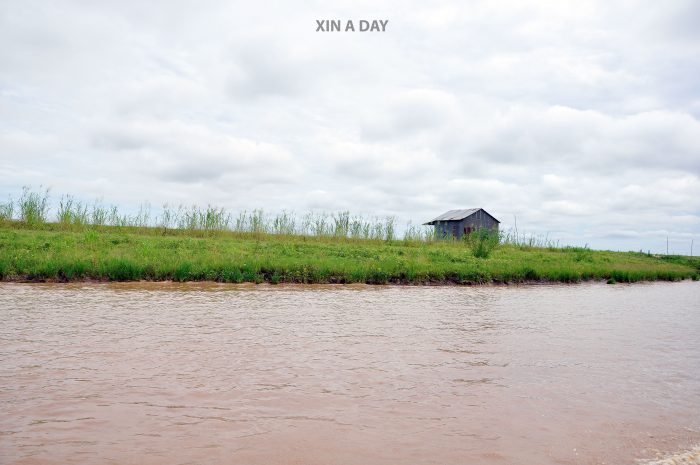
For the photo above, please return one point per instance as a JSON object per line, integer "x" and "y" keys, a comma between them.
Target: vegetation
{"x": 692, "y": 262}
{"x": 482, "y": 242}
{"x": 91, "y": 241}
{"x": 33, "y": 208}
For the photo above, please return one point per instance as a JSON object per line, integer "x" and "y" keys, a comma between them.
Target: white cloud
{"x": 582, "y": 122}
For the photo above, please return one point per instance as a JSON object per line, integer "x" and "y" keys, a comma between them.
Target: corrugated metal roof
{"x": 454, "y": 215}
{"x": 457, "y": 215}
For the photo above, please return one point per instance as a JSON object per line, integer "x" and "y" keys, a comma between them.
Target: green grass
{"x": 69, "y": 251}
{"x": 34, "y": 208}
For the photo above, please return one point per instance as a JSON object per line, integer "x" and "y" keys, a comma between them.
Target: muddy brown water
{"x": 213, "y": 374}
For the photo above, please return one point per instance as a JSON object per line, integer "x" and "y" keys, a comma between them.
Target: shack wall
{"x": 479, "y": 220}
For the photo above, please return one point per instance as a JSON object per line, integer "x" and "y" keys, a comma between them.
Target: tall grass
{"x": 7, "y": 210}
{"x": 284, "y": 223}
{"x": 99, "y": 215}
{"x": 482, "y": 242}
{"x": 421, "y": 233}
{"x": 71, "y": 211}
{"x": 34, "y": 208}
{"x": 195, "y": 218}
{"x": 513, "y": 237}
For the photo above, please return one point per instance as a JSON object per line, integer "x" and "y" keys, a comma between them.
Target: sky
{"x": 579, "y": 120}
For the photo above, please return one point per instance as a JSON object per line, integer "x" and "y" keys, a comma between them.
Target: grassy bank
{"x": 65, "y": 252}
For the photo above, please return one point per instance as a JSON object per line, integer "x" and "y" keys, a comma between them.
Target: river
{"x": 149, "y": 373}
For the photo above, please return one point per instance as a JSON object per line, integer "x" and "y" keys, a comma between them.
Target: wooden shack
{"x": 457, "y": 223}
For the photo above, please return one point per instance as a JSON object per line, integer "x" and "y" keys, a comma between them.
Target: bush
{"x": 482, "y": 242}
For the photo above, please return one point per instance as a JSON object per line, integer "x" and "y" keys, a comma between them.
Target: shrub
{"x": 482, "y": 242}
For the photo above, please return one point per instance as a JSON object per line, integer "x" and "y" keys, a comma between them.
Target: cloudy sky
{"x": 581, "y": 119}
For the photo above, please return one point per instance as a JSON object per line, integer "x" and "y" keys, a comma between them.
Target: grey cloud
{"x": 192, "y": 172}
{"x": 261, "y": 69}
{"x": 408, "y": 114}
{"x": 188, "y": 153}
{"x": 565, "y": 138}
{"x": 579, "y": 121}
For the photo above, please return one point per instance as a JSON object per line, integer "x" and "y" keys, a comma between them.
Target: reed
{"x": 7, "y": 210}
{"x": 72, "y": 211}
{"x": 99, "y": 214}
{"x": 284, "y": 224}
{"x": 33, "y": 206}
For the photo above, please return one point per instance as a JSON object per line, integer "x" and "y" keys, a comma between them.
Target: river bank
{"x": 58, "y": 253}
